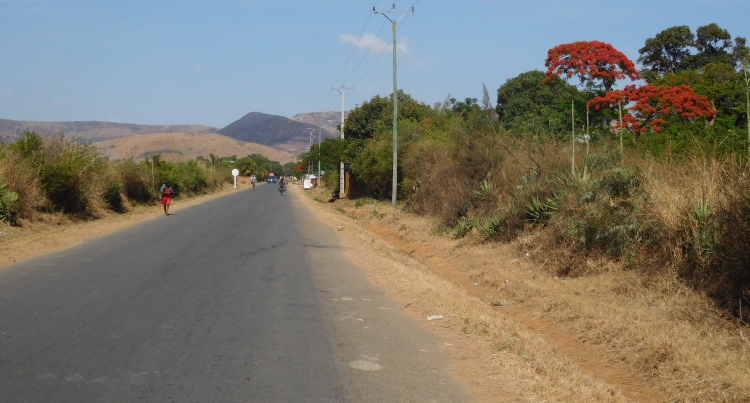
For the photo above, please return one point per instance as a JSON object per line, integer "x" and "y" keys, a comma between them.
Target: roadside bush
{"x": 8, "y": 205}
{"x": 715, "y": 237}
{"x": 113, "y": 197}
{"x": 20, "y": 178}
{"x": 609, "y": 214}
{"x": 136, "y": 181}
{"x": 68, "y": 173}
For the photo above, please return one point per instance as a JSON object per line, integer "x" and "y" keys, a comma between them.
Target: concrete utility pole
{"x": 320, "y": 153}
{"x": 341, "y": 166}
{"x": 309, "y": 164}
{"x": 394, "y": 189}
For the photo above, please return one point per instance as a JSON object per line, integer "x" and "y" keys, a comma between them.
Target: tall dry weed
{"x": 705, "y": 205}
{"x": 20, "y": 178}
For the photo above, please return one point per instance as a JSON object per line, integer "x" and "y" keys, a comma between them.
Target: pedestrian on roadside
{"x": 166, "y": 196}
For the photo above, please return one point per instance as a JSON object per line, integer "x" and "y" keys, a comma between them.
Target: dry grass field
{"x": 179, "y": 146}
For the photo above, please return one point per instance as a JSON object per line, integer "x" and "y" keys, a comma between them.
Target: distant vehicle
{"x": 271, "y": 178}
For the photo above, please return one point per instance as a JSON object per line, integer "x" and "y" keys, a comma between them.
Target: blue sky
{"x": 212, "y": 61}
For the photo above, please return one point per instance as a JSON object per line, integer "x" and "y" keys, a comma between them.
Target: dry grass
{"x": 651, "y": 327}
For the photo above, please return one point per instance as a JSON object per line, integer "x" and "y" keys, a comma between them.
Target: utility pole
{"x": 747, "y": 102}
{"x": 341, "y": 165}
{"x": 320, "y": 153}
{"x": 309, "y": 164}
{"x": 394, "y": 22}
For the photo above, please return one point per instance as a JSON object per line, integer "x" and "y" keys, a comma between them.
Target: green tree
{"x": 677, "y": 49}
{"x": 377, "y": 115}
{"x": 667, "y": 52}
{"x": 525, "y": 103}
{"x": 714, "y": 45}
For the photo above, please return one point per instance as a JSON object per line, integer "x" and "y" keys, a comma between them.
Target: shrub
{"x": 491, "y": 226}
{"x": 136, "y": 181}
{"x": 68, "y": 173}
{"x": 8, "y": 205}
{"x": 463, "y": 226}
{"x": 113, "y": 197}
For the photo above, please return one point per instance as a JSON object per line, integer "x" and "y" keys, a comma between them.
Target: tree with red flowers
{"x": 592, "y": 62}
{"x": 596, "y": 64}
{"x": 649, "y": 106}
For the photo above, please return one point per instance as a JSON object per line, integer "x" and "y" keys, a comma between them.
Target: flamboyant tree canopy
{"x": 594, "y": 63}
{"x": 650, "y": 105}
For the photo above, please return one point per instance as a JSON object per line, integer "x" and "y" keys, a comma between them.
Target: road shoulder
{"x": 381, "y": 331}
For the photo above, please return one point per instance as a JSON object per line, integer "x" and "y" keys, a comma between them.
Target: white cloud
{"x": 378, "y": 46}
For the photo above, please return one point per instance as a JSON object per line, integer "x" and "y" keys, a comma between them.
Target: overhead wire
{"x": 384, "y": 49}
{"x": 366, "y": 53}
{"x": 353, "y": 49}
{"x": 349, "y": 58}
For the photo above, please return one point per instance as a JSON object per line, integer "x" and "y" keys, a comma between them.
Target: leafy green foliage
{"x": 491, "y": 226}
{"x": 609, "y": 216}
{"x": 463, "y": 226}
{"x": 667, "y": 52}
{"x": 8, "y": 205}
{"x": 526, "y": 104}
{"x": 677, "y": 49}
{"x": 68, "y": 172}
{"x": 538, "y": 211}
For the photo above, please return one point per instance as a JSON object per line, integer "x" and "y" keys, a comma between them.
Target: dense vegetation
{"x": 55, "y": 174}
{"x": 650, "y": 177}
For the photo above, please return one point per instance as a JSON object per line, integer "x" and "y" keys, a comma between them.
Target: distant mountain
{"x": 274, "y": 131}
{"x": 179, "y": 146}
{"x": 93, "y": 130}
{"x": 328, "y": 120}
{"x": 279, "y": 132}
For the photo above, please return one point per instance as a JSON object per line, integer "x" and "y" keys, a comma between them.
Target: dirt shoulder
{"x": 529, "y": 335}
{"x": 56, "y": 232}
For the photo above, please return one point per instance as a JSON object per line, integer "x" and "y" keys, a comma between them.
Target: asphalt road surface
{"x": 245, "y": 298}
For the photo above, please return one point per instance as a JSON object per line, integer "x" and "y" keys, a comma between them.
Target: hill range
{"x": 287, "y": 136}
{"x": 93, "y": 130}
{"x": 281, "y": 133}
{"x": 180, "y": 146}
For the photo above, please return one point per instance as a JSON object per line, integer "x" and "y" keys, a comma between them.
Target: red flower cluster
{"x": 648, "y": 105}
{"x": 590, "y": 61}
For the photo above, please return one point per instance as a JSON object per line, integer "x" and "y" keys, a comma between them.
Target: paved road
{"x": 219, "y": 302}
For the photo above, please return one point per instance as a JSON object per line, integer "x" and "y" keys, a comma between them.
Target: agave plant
{"x": 539, "y": 211}
{"x": 463, "y": 226}
{"x": 491, "y": 226}
{"x": 486, "y": 190}
{"x": 8, "y": 205}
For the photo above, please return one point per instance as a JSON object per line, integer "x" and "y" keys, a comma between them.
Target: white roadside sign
{"x": 235, "y": 172}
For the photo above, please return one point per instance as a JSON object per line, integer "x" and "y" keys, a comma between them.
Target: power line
{"x": 353, "y": 49}
{"x": 373, "y": 64}
{"x": 377, "y": 36}
{"x": 328, "y": 93}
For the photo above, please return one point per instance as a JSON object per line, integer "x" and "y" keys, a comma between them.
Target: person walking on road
{"x": 166, "y": 196}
